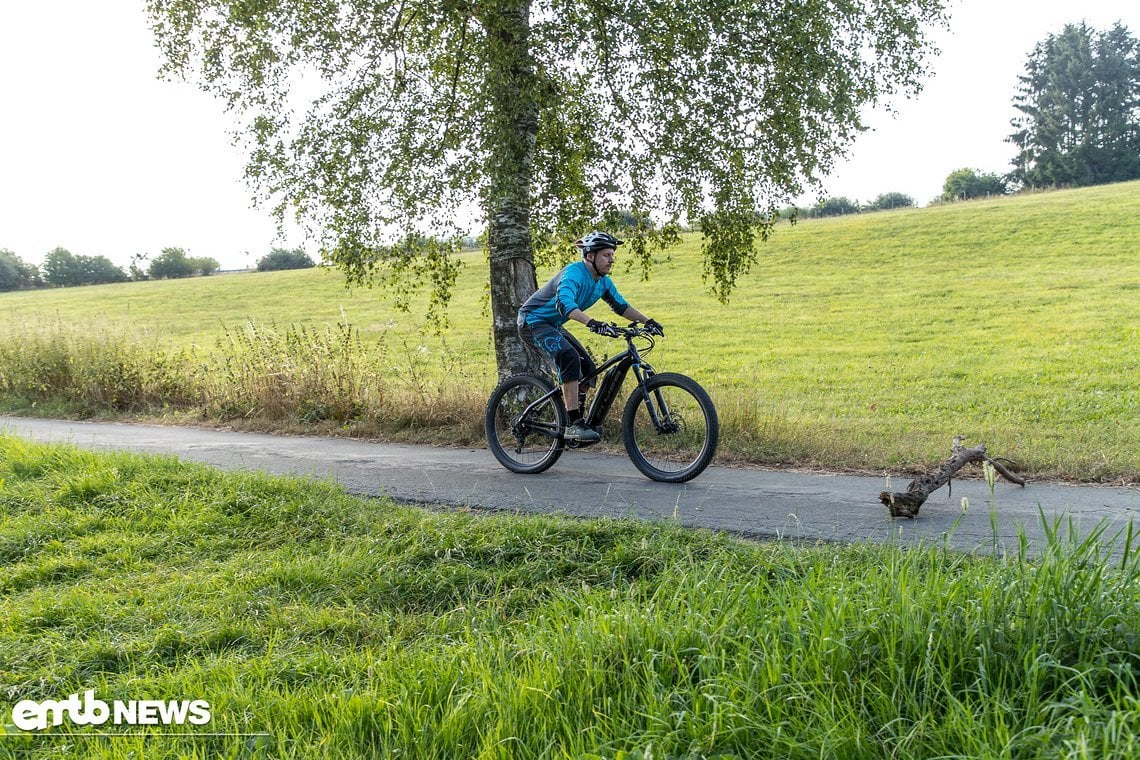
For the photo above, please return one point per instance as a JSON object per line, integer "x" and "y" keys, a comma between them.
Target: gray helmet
{"x": 596, "y": 241}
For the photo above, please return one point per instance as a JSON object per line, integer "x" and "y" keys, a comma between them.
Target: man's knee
{"x": 569, "y": 364}
{"x": 588, "y": 365}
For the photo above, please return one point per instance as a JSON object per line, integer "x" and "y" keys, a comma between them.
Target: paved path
{"x": 762, "y": 503}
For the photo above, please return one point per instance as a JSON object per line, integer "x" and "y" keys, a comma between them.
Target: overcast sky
{"x": 99, "y": 156}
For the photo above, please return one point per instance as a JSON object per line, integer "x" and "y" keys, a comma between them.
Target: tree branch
{"x": 906, "y": 503}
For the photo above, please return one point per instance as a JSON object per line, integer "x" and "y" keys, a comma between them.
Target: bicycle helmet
{"x": 596, "y": 241}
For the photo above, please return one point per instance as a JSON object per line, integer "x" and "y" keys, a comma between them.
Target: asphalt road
{"x": 753, "y": 502}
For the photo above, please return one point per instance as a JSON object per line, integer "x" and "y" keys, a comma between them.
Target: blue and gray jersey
{"x": 572, "y": 288}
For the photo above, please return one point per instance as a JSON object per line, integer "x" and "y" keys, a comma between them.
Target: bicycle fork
{"x": 658, "y": 414}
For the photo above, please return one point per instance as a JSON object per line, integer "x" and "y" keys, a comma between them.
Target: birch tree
{"x": 540, "y": 119}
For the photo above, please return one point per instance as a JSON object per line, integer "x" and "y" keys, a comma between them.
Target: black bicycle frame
{"x": 616, "y": 368}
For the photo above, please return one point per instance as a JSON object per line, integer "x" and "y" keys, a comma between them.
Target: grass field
{"x": 862, "y": 342}
{"x": 317, "y": 625}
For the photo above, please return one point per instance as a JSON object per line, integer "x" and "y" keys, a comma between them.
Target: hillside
{"x": 864, "y": 341}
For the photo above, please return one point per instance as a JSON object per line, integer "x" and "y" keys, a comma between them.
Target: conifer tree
{"x": 1080, "y": 110}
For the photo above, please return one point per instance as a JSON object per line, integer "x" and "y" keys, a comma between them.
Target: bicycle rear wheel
{"x": 527, "y": 444}
{"x": 671, "y": 433}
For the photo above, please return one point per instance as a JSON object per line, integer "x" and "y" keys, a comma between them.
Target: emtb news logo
{"x": 29, "y": 715}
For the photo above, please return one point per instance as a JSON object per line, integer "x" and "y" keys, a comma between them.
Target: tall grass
{"x": 89, "y": 369}
{"x": 319, "y": 625}
{"x": 254, "y": 374}
{"x": 301, "y": 373}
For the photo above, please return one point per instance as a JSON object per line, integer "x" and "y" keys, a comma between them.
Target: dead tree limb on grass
{"x": 906, "y": 504}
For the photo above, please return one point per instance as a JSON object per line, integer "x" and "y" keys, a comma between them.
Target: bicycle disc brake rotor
{"x": 671, "y": 425}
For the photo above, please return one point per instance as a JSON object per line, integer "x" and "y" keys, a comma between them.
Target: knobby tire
{"x": 538, "y": 450}
{"x": 683, "y": 442}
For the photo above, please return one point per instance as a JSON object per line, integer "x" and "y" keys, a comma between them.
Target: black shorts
{"x": 559, "y": 349}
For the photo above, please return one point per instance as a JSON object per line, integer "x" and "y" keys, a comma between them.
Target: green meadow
{"x": 859, "y": 343}
{"x": 318, "y": 625}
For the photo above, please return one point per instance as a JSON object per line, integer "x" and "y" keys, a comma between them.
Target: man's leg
{"x": 586, "y": 369}
{"x": 559, "y": 346}
{"x": 570, "y": 396}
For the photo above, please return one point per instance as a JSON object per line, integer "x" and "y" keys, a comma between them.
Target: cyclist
{"x": 566, "y": 297}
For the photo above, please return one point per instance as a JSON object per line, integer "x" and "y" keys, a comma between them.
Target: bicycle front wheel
{"x": 525, "y": 441}
{"x": 670, "y": 428}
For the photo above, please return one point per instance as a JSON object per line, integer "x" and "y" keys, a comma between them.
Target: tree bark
{"x": 512, "y": 89}
{"x": 906, "y": 504}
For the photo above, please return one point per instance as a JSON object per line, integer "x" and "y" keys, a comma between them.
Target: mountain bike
{"x": 669, "y": 426}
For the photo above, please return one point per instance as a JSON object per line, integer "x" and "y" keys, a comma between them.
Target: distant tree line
{"x": 841, "y": 205}
{"x": 173, "y": 263}
{"x": 17, "y": 274}
{"x": 61, "y": 268}
{"x": 281, "y": 258}
{"x": 965, "y": 184}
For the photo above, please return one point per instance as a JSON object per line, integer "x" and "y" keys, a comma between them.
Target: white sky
{"x": 101, "y": 157}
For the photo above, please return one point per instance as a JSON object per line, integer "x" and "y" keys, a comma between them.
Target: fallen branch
{"x": 906, "y": 504}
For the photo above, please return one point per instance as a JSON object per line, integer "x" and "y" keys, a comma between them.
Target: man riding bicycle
{"x": 566, "y": 296}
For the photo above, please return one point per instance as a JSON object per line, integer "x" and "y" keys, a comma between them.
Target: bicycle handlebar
{"x": 634, "y": 330}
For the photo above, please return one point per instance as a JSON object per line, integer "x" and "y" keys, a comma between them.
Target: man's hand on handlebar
{"x": 654, "y": 327}
{"x": 602, "y": 328}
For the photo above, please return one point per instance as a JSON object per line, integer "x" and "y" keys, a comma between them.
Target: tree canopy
{"x": 964, "y": 184}
{"x": 15, "y": 273}
{"x": 172, "y": 263}
{"x": 284, "y": 258}
{"x": 62, "y": 268}
{"x": 1080, "y": 110}
{"x": 540, "y": 118}
{"x": 892, "y": 200}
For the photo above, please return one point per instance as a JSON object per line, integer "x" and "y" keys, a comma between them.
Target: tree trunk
{"x": 906, "y": 503}
{"x": 512, "y": 88}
